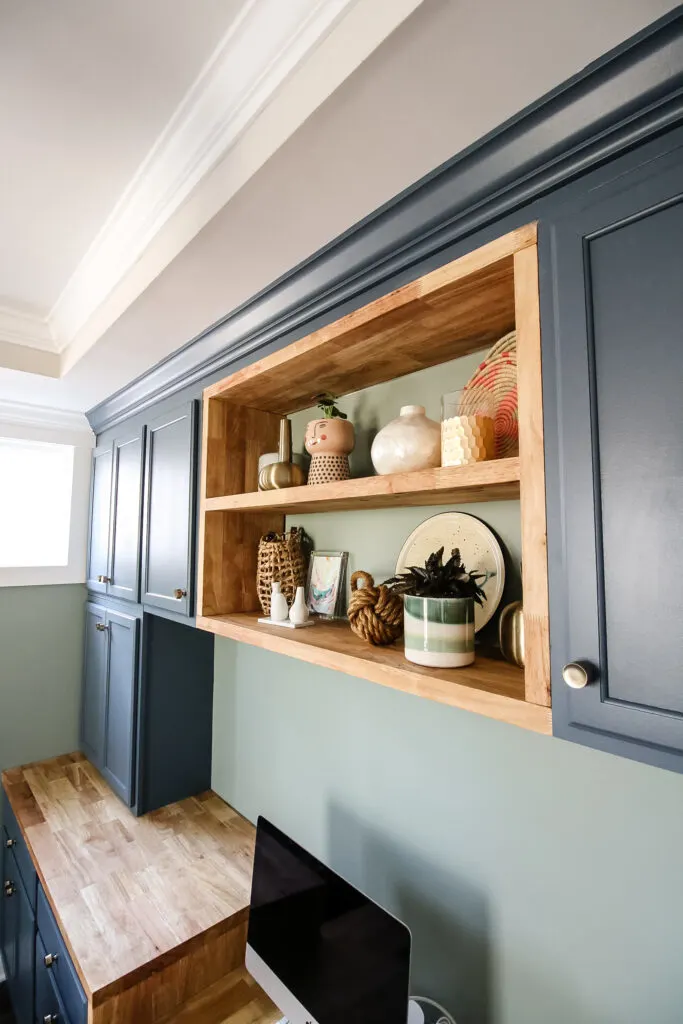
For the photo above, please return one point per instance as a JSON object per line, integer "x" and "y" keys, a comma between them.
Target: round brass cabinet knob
{"x": 577, "y": 674}
{"x": 178, "y": 593}
{"x": 50, "y": 959}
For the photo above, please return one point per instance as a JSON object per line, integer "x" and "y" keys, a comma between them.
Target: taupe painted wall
{"x": 41, "y": 657}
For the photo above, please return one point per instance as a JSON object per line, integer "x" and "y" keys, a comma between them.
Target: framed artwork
{"x": 326, "y": 589}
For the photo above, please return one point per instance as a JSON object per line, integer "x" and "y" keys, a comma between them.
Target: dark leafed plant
{"x": 328, "y": 406}
{"x": 439, "y": 579}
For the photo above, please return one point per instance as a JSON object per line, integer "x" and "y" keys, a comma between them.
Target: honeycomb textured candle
{"x": 467, "y": 439}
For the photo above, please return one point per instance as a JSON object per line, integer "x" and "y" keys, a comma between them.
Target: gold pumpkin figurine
{"x": 511, "y": 633}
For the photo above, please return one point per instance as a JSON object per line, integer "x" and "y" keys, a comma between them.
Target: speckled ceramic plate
{"x": 479, "y": 548}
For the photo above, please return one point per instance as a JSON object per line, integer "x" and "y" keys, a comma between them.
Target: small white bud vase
{"x": 279, "y": 609}
{"x": 298, "y": 613}
{"x": 410, "y": 442}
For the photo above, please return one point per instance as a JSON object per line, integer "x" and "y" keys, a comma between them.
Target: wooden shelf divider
{"x": 482, "y": 481}
{"x": 490, "y": 686}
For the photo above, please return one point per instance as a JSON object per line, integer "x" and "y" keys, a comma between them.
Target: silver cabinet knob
{"x": 9, "y": 889}
{"x": 577, "y": 674}
{"x": 50, "y": 959}
{"x": 101, "y": 627}
{"x": 179, "y": 593}
{"x": 9, "y": 843}
{"x": 104, "y": 579}
{"x": 50, "y": 1018}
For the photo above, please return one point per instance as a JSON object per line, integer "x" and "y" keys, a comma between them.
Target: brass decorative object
{"x": 375, "y": 613}
{"x": 284, "y": 473}
{"x": 511, "y": 633}
{"x": 281, "y": 559}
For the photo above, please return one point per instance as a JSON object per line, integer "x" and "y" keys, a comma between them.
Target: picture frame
{"x": 326, "y": 584}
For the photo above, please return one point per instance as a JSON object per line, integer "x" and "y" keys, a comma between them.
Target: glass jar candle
{"x": 467, "y": 427}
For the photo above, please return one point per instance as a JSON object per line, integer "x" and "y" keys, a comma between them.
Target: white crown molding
{"x": 39, "y": 422}
{"x": 17, "y": 327}
{"x": 263, "y": 46}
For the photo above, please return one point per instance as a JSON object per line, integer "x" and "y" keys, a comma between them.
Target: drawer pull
{"x": 50, "y": 1018}
{"x": 178, "y": 593}
{"x": 50, "y": 959}
{"x": 9, "y": 843}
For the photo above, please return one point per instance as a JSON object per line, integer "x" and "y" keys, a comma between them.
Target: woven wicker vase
{"x": 281, "y": 559}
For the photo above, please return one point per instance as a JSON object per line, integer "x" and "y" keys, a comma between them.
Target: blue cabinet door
{"x": 168, "y": 525}
{"x": 613, "y": 381}
{"x": 126, "y": 516}
{"x": 94, "y": 697}
{"x": 121, "y": 700}
{"x": 99, "y": 567}
{"x": 18, "y": 941}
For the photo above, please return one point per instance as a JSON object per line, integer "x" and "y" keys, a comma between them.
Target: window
{"x": 36, "y": 482}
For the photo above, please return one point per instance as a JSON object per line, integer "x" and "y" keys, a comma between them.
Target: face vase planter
{"x": 439, "y": 631}
{"x": 329, "y": 442}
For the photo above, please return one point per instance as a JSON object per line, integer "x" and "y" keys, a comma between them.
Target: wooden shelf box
{"x": 458, "y": 309}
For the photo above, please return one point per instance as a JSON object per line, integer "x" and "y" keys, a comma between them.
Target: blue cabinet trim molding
{"x": 633, "y": 93}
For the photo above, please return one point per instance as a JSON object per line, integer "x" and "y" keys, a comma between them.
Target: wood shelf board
{"x": 497, "y": 480}
{"x": 457, "y": 309}
{"x": 490, "y": 686}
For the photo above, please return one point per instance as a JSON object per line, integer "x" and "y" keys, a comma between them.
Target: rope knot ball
{"x": 375, "y": 613}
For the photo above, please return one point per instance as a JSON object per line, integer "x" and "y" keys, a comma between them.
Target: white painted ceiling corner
{"x": 185, "y": 178}
{"x": 41, "y": 423}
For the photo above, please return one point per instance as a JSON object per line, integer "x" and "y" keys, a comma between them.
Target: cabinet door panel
{"x": 615, "y": 457}
{"x": 169, "y": 511}
{"x": 100, "y": 519}
{"x": 126, "y": 516}
{"x": 93, "y": 709}
{"x": 119, "y": 743}
{"x": 18, "y": 944}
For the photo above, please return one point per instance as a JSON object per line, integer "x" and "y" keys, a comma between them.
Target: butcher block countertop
{"x": 134, "y": 897}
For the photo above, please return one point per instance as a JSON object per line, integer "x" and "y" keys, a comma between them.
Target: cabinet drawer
{"x": 13, "y": 839}
{"x": 62, "y": 971}
{"x": 49, "y": 1005}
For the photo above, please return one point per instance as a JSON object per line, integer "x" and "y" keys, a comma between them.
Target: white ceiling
{"x": 259, "y": 211}
{"x": 84, "y": 96}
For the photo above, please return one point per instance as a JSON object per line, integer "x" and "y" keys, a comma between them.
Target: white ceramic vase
{"x": 279, "y": 609}
{"x": 410, "y": 442}
{"x": 298, "y": 613}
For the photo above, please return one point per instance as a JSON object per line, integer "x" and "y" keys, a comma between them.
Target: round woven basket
{"x": 496, "y": 377}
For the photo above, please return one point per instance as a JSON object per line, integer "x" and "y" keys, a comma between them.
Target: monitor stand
{"x": 415, "y": 1014}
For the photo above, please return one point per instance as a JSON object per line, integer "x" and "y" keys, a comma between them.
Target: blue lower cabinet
{"x": 50, "y": 1007}
{"x": 17, "y": 940}
{"x": 13, "y": 840}
{"x": 56, "y": 962}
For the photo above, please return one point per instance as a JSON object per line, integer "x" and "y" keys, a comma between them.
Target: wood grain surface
{"x": 134, "y": 896}
{"x": 457, "y": 309}
{"x": 496, "y": 480}
{"x": 490, "y": 686}
{"x": 235, "y": 999}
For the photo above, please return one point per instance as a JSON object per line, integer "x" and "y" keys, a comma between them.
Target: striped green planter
{"x": 439, "y": 631}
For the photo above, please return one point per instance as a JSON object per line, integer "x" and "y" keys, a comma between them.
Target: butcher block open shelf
{"x": 454, "y": 311}
{"x": 497, "y": 480}
{"x": 490, "y": 686}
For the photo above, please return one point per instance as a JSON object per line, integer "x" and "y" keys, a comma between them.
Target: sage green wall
{"x": 543, "y": 881}
{"x": 41, "y": 653}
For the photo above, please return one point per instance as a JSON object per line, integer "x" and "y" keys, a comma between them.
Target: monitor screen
{"x": 342, "y": 958}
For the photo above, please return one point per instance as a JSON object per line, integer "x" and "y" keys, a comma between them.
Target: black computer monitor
{"x": 323, "y": 951}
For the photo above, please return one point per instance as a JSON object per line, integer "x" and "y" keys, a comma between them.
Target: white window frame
{"x": 24, "y": 427}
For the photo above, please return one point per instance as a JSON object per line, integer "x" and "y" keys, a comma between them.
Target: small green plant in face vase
{"x": 329, "y": 440}
{"x": 438, "y": 610}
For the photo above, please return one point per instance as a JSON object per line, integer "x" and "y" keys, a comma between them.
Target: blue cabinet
{"x": 169, "y": 507}
{"x": 110, "y": 687}
{"x": 17, "y": 939}
{"x": 115, "y": 517}
{"x": 613, "y": 379}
